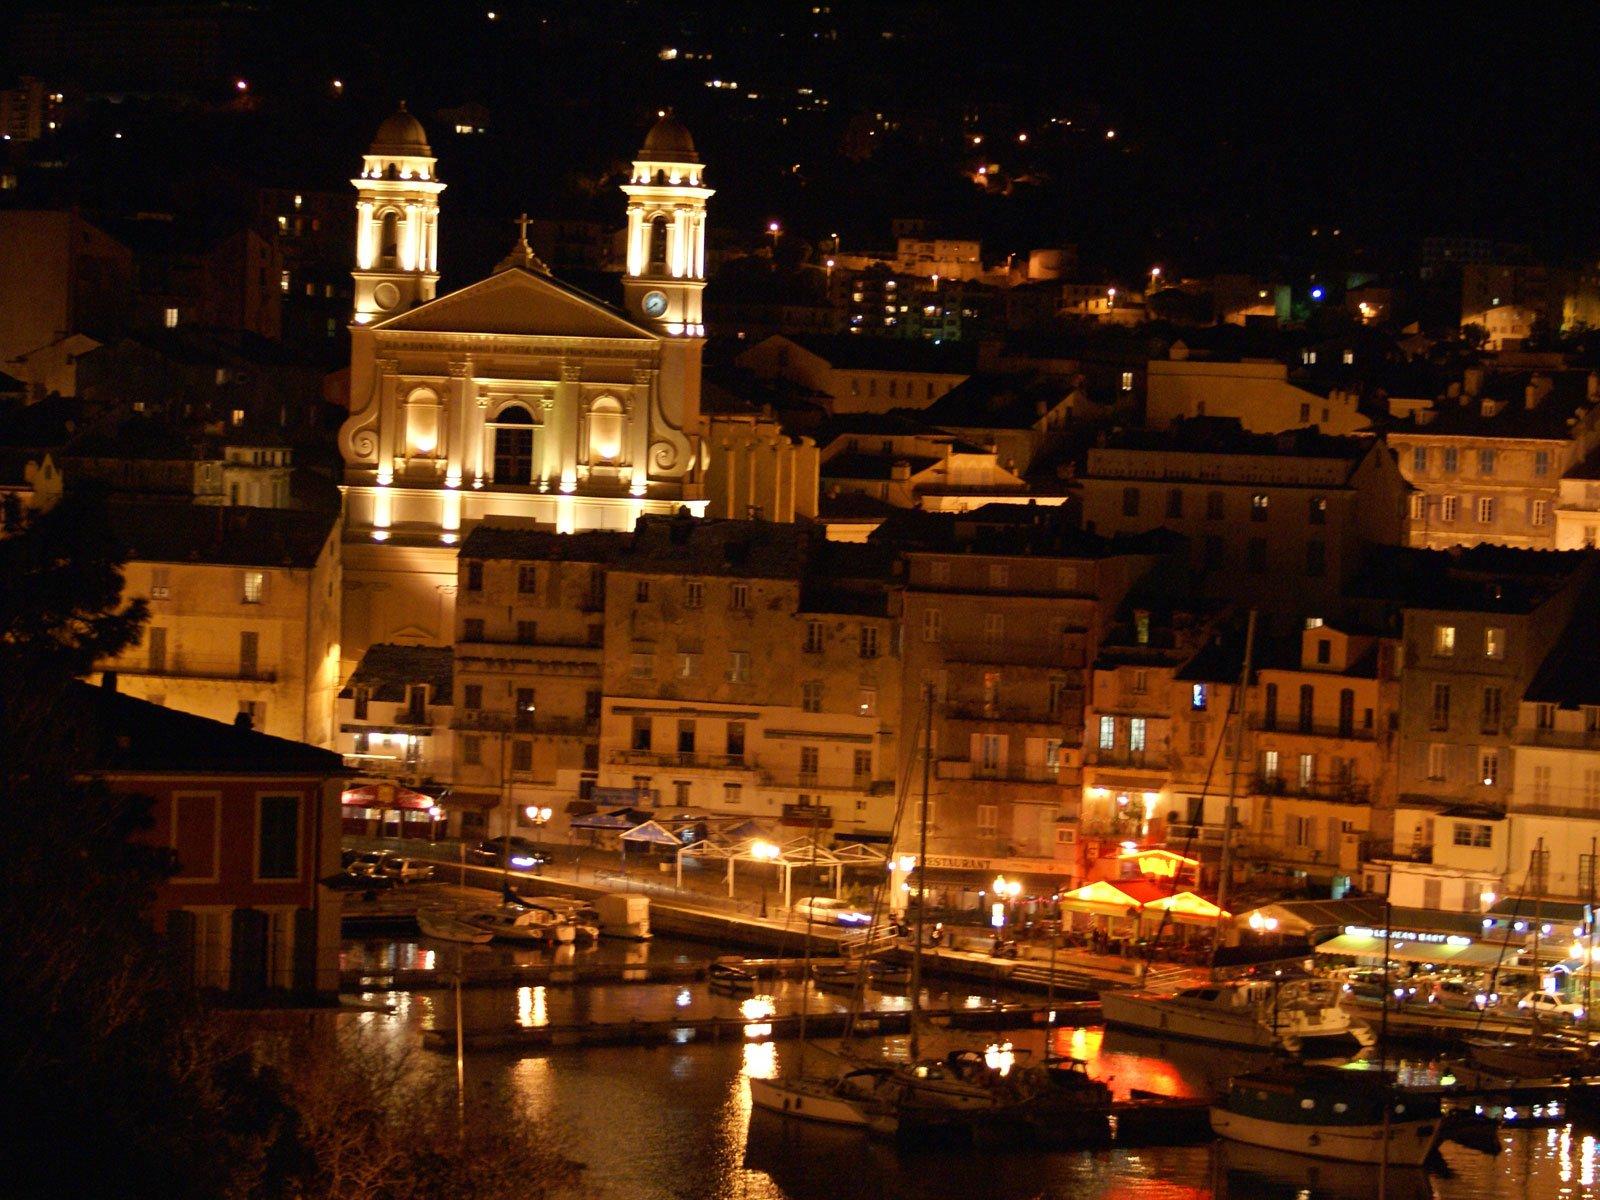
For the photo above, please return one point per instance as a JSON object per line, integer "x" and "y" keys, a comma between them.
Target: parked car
{"x": 525, "y": 855}
{"x": 825, "y": 910}
{"x": 406, "y": 870}
{"x": 368, "y": 862}
{"x": 1543, "y": 1004}
{"x": 1460, "y": 996}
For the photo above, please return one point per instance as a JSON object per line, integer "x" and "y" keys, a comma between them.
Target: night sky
{"x": 1239, "y": 132}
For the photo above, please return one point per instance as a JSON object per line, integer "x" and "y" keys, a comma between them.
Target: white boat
{"x": 624, "y": 916}
{"x": 580, "y": 915}
{"x": 514, "y": 923}
{"x": 1262, "y": 1014}
{"x": 855, "y": 1100}
{"x": 447, "y": 927}
{"x": 1330, "y": 1112}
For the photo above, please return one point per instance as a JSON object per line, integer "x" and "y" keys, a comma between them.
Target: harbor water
{"x": 675, "y": 1121}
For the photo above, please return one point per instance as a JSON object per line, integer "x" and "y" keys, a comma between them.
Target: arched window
{"x": 389, "y": 239}
{"x": 513, "y": 445}
{"x": 605, "y": 431}
{"x": 658, "y": 242}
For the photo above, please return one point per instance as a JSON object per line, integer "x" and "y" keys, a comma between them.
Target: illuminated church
{"x": 517, "y": 398}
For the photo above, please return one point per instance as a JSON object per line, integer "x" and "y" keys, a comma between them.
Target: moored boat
{"x": 515, "y": 923}
{"x": 861, "y": 1099}
{"x": 1330, "y": 1112}
{"x": 1261, "y": 1014}
{"x": 447, "y": 927}
{"x": 724, "y": 976}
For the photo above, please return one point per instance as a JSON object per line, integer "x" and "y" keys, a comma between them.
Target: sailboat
{"x": 861, "y": 1098}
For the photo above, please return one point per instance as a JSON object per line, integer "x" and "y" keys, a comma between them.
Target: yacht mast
{"x": 1588, "y": 966}
{"x": 922, "y": 871}
{"x": 1230, "y": 815}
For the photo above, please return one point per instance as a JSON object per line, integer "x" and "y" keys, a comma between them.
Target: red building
{"x": 254, "y": 823}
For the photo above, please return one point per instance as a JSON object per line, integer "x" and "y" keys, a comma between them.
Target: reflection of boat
{"x": 446, "y": 927}
{"x": 836, "y": 974}
{"x": 1330, "y": 1112}
{"x": 725, "y": 976}
{"x": 884, "y": 975}
{"x": 1243, "y": 1170}
{"x": 1256, "y": 1013}
{"x": 514, "y": 923}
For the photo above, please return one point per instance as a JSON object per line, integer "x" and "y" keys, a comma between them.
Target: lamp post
{"x": 764, "y": 851}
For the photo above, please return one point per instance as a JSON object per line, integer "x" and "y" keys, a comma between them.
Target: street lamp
{"x": 764, "y": 851}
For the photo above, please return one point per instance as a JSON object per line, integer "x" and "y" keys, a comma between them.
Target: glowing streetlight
{"x": 764, "y": 851}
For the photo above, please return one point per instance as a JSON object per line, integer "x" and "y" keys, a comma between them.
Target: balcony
{"x": 1045, "y": 656}
{"x": 559, "y": 726}
{"x": 1341, "y": 791}
{"x": 1013, "y": 714}
{"x": 1318, "y": 729}
{"x": 960, "y": 768}
{"x": 1566, "y": 739}
{"x": 826, "y": 781}
{"x": 808, "y": 816}
{"x": 183, "y": 666}
{"x": 1144, "y": 760}
{"x": 682, "y": 759}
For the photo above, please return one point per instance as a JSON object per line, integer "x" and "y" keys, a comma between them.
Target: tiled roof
{"x": 851, "y": 352}
{"x": 221, "y": 534}
{"x": 992, "y": 400}
{"x": 544, "y": 545}
{"x": 852, "y": 465}
{"x": 387, "y": 669}
{"x": 131, "y": 735}
{"x": 1464, "y": 416}
{"x": 1225, "y": 435}
{"x": 1570, "y": 674}
{"x": 1482, "y": 578}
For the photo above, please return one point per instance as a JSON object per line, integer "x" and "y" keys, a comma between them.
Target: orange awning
{"x": 1102, "y": 898}
{"x": 1190, "y": 906}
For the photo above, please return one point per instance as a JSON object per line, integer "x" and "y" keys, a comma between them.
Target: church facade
{"x": 517, "y": 399}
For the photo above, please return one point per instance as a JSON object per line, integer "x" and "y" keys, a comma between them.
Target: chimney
{"x": 242, "y": 722}
{"x": 108, "y": 680}
{"x": 900, "y": 471}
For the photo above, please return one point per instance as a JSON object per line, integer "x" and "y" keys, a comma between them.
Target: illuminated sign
{"x": 1408, "y": 935}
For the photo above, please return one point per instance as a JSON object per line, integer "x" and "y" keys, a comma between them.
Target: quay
{"x": 679, "y": 1032}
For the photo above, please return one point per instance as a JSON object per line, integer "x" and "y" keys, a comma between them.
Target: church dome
{"x": 401, "y": 135}
{"x": 668, "y": 141}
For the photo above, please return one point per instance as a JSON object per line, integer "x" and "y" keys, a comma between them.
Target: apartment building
{"x": 752, "y": 669}
{"x": 1476, "y": 627}
{"x": 1279, "y": 519}
{"x": 1004, "y": 610}
{"x": 244, "y": 614}
{"x": 1553, "y": 818}
{"x": 863, "y": 374}
{"x": 394, "y": 728}
{"x": 1488, "y": 460}
{"x": 528, "y": 675}
{"x": 1258, "y": 394}
{"x": 1321, "y": 730}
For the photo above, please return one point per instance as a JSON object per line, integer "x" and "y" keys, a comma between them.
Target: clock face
{"x": 655, "y": 303}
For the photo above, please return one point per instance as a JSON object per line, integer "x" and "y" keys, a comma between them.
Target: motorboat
{"x": 863, "y": 1099}
{"x": 730, "y": 976}
{"x": 578, "y": 914}
{"x": 447, "y": 927}
{"x": 1260, "y": 1014}
{"x": 1331, "y": 1112}
{"x": 1549, "y": 1057}
{"x": 1250, "y": 1172}
{"x": 836, "y": 974}
{"x": 518, "y": 923}
{"x": 885, "y": 975}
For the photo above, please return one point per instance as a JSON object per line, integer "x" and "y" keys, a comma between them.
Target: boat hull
{"x": 818, "y": 1101}
{"x": 1157, "y": 1015}
{"x": 1409, "y": 1142}
{"x": 448, "y": 929}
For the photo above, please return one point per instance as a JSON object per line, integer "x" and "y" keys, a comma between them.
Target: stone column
{"x": 388, "y": 417}
{"x": 564, "y": 425}
{"x": 458, "y": 422}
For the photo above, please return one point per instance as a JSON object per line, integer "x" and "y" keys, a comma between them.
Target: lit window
{"x": 254, "y": 583}
{"x": 1127, "y": 381}
{"x": 170, "y": 318}
{"x": 1259, "y": 504}
{"x": 1108, "y": 733}
{"x": 1199, "y": 695}
{"x": 283, "y": 281}
{"x": 1444, "y": 640}
{"x": 1136, "y": 734}
{"x": 1494, "y": 642}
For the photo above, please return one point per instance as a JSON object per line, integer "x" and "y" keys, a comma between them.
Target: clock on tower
{"x": 667, "y": 232}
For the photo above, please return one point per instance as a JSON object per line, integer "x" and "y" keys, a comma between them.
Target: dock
{"x": 674, "y": 1031}
{"x": 547, "y": 973}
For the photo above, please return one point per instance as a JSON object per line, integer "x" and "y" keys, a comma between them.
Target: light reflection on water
{"x": 675, "y": 1122}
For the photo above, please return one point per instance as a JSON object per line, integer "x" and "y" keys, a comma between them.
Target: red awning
{"x": 383, "y": 794}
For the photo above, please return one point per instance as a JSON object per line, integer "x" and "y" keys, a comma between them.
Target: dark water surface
{"x": 676, "y": 1122}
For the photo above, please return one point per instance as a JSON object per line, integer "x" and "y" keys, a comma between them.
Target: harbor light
{"x": 764, "y": 851}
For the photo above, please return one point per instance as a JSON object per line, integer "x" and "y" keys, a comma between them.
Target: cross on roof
{"x": 522, "y": 227}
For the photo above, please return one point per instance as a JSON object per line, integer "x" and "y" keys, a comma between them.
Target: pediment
{"x": 517, "y": 301}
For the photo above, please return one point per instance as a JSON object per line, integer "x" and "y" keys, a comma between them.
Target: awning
{"x": 384, "y": 794}
{"x": 1101, "y": 898}
{"x": 1158, "y": 862}
{"x": 617, "y": 819}
{"x": 1471, "y": 954}
{"x": 1187, "y": 906}
{"x": 653, "y": 834}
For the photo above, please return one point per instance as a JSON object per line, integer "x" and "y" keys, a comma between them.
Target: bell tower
{"x": 397, "y": 221}
{"x": 666, "y": 270}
